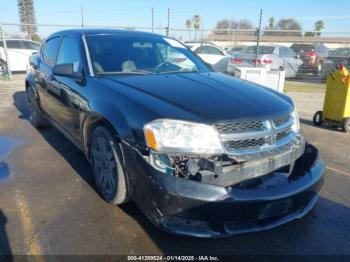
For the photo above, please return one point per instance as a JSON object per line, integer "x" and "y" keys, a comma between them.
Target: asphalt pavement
{"x": 49, "y": 205}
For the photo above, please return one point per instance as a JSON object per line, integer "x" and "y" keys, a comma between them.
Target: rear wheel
{"x": 107, "y": 166}
{"x": 318, "y": 118}
{"x": 35, "y": 116}
{"x": 345, "y": 126}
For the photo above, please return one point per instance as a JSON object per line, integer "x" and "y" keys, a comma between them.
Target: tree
{"x": 189, "y": 26}
{"x": 271, "y": 23}
{"x": 309, "y": 34}
{"x": 196, "y": 21}
{"x": 27, "y": 17}
{"x": 319, "y": 26}
{"x": 289, "y": 24}
{"x": 245, "y": 25}
{"x": 222, "y": 27}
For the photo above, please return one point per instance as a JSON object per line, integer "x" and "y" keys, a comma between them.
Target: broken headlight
{"x": 174, "y": 136}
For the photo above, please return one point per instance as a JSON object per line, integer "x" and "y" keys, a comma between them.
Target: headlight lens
{"x": 174, "y": 136}
{"x": 295, "y": 119}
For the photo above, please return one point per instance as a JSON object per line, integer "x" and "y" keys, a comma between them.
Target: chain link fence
{"x": 304, "y": 56}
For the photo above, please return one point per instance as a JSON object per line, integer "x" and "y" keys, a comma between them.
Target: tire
{"x": 318, "y": 118}
{"x": 107, "y": 167}
{"x": 35, "y": 116}
{"x": 345, "y": 126}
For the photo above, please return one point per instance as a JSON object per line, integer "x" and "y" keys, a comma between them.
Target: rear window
{"x": 265, "y": 50}
{"x": 20, "y": 44}
{"x": 12, "y": 44}
{"x": 303, "y": 48}
{"x": 30, "y": 45}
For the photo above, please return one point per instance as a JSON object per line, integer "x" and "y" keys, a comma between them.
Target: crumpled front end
{"x": 219, "y": 197}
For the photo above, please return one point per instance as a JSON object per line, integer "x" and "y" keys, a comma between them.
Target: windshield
{"x": 135, "y": 54}
{"x": 342, "y": 52}
{"x": 303, "y": 48}
{"x": 264, "y": 50}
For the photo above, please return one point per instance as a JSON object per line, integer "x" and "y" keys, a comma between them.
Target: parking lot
{"x": 48, "y": 203}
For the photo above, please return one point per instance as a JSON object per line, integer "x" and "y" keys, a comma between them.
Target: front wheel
{"x": 106, "y": 160}
{"x": 318, "y": 118}
{"x": 35, "y": 116}
{"x": 345, "y": 124}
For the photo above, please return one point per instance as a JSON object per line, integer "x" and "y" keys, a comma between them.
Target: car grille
{"x": 246, "y": 140}
{"x": 239, "y": 127}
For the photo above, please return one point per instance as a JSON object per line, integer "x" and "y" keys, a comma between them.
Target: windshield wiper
{"x": 179, "y": 71}
{"x": 134, "y": 72}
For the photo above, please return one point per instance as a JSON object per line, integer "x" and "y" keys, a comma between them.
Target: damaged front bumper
{"x": 193, "y": 208}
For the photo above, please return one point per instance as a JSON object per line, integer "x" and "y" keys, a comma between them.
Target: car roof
{"x": 101, "y": 31}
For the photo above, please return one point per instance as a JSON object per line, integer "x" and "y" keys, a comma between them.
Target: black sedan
{"x": 201, "y": 153}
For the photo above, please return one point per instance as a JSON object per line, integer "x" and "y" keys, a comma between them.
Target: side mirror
{"x": 67, "y": 71}
{"x": 297, "y": 56}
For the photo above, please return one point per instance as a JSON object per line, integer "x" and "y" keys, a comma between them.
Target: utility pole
{"x": 168, "y": 24}
{"x": 82, "y": 14}
{"x": 8, "y": 69}
{"x": 152, "y": 20}
{"x": 258, "y": 39}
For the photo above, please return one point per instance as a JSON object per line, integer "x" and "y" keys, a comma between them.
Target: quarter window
{"x": 50, "y": 50}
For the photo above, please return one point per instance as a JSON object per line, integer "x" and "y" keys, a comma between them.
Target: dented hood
{"x": 212, "y": 97}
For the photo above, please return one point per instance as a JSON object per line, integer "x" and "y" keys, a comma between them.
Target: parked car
{"x": 212, "y": 55}
{"x": 314, "y": 57}
{"x": 201, "y": 153}
{"x": 270, "y": 56}
{"x": 19, "y": 51}
{"x": 234, "y": 50}
{"x": 340, "y": 56}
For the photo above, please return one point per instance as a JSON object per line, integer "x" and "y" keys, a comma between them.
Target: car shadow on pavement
{"x": 5, "y": 250}
{"x": 309, "y": 122}
{"x": 74, "y": 157}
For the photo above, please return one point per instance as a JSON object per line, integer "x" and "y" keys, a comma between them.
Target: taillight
{"x": 236, "y": 61}
{"x": 311, "y": 54}
{"x": 262, "y": 62}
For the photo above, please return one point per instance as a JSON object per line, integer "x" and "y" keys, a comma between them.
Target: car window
{"x": 289, "y": 52}
{"x": 69, "y": 53}
{"x": 126, "y": 54}
{"x": 50, "y": 50}
{"x": 342, "y": 52}
{"x": 172, "y": 55}
{"x": 30, "y": 45}
{"x": 13, "y": 44}
{"x": 263, "y": 50}
{"x": 201, "y": 50}
{"x": 211, "y": 50}
{"x": 282, "y": 52}
{"x": 302, "y": 48}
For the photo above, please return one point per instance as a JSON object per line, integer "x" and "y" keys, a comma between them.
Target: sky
{"x": 137, "y": 13}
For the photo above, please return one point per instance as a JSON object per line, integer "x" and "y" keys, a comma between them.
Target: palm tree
{"x": 271, "y": 23}
{"x": 319, "y": 26}
{"x": 196, "y": 21}
{"x": 189, "y": 26}
{"x": 27, "y": 17}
